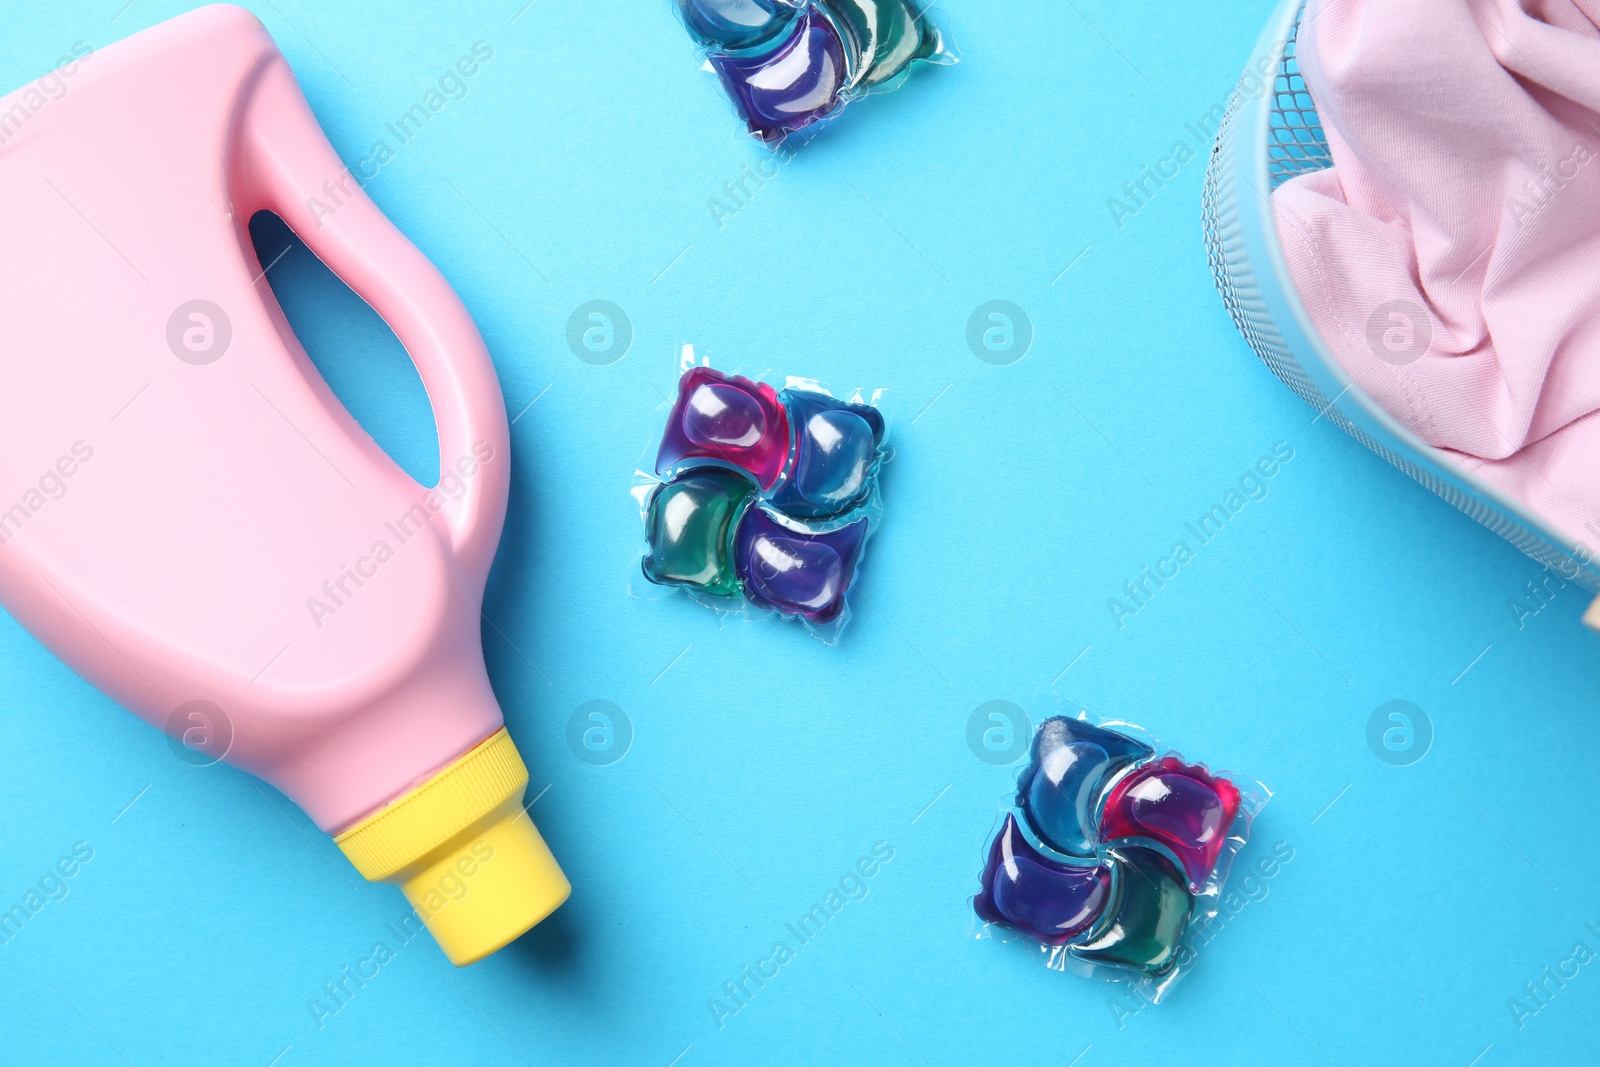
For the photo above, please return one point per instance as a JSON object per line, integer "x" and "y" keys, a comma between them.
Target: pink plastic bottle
{"x": 190, "y": 518}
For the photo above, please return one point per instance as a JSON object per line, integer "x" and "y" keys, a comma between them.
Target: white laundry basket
{"x": 1269, "y": 134}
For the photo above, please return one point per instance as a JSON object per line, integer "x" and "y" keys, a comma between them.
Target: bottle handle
{"x": 286, "y": 165}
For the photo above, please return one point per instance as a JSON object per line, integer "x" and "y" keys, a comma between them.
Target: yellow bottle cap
{"x": 465, "y": 853}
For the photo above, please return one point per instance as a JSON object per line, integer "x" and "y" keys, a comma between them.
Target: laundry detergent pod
{"x": 689, "y": 528}
{"x": 761, "y": 498}
{"x": 793, "y": 571}
{"x": 788, "y": 88}
{"x": 1052, "y": 902}
{"x": 1160, "y": 834}
{"x": 728, "y": 419}
{"x": 1179, "y": 806}
{"x": 787, "y": 64}
{"x": 833, "y": 456}
{"x": 1148, "y": 916}
{"x": 1069, "y": 765}
{"x": 885, "y": 37}
{"x": 735, "y": 25}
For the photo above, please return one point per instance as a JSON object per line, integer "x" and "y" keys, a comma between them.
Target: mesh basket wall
{"x": 1296, "y": 145}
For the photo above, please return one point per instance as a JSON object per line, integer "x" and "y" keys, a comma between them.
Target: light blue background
{"x": 764, "y": 764}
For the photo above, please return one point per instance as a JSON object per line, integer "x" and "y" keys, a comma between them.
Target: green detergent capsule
{"x": 1147, "y": 916}
{"x": 886, "y": 37}
{"x": 689, "y": 524}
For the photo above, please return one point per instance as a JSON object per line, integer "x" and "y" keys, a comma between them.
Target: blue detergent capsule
{"x": 833, "y": 457}
{"x": 735, "y": 24}
{"x": 1068, "y": 768}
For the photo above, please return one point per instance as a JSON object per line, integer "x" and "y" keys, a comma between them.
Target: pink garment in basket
{"x": 1451, "y": 256}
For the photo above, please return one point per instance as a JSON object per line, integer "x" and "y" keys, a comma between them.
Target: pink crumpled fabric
{"x": 1451, "y": 256}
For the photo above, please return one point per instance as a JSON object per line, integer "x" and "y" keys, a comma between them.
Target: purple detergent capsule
{"x": 1049, "y": 901}
{"x": 834, "y": 456}
{"x": 729, "y": 419}
{"x": 790, "y": 86}
{"x": 735, "y": 24}
{"x": 795, "y": 572}
{"x": 1070, "y": 763}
